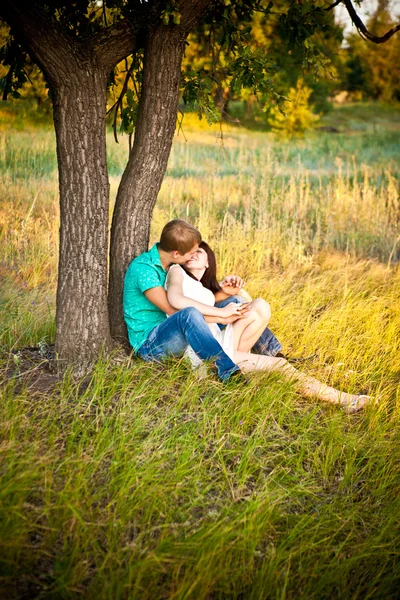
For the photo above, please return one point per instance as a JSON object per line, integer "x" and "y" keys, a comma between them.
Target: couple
{"x": 169, "y": 310}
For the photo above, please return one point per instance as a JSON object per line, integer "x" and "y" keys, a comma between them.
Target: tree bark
{"x": 82, "y": 323}
{"x": 147, "y": 163}
{"x": 76, "y": 70}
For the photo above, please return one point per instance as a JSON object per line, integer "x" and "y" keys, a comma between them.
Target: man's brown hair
{"x": 179, "y": 235}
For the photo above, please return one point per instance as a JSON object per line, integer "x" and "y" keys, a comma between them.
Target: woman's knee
{"x": 262, "y": 308}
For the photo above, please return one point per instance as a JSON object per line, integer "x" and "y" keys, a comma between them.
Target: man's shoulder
{"x": 139, "y": 262}
{"x": 145, "y": 272}
{"x": 151, "y": 257}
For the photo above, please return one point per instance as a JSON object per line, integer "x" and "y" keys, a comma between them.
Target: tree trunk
{"x": 147, "y": 163}
{"x": 79, "y": 116}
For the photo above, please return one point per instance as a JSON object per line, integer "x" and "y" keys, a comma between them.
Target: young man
{"x": 152, "y": 335}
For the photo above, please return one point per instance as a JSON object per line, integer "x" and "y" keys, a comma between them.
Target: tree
{"x": 374, "y": 69}
{"x": 77, "y": 46}
{"x": 76, "y": 53}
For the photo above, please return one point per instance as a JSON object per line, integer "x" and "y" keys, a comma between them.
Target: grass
{"x": 129, "y": 489}
{"x": 141, "y": 481}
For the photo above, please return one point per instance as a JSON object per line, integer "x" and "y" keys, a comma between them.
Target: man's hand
{"x": 230, "y": 310}
{"x": 242, "y": 311}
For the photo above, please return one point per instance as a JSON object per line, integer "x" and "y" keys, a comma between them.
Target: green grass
{"x": 149, "y": 484}
{"x": 142, "y": 481}
{"x": 370, "y": 117}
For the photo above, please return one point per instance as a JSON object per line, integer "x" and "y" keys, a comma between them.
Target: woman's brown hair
{"x": 209, "y": 279}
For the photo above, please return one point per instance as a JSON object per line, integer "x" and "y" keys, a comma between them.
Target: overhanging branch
{"x": 362, "y": 28}
{"x": 334, "y": 4}
{"x": 41, "y": 35}
{"x": 191, "y": 11}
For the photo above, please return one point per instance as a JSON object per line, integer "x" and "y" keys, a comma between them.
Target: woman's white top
{"x": 192, "y": 288}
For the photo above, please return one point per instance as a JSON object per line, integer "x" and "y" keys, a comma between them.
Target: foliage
{"x": 279, "y": 46}
{"x": 197, "y": 91}
{"x": 296, "y": 115}
{"x": 12, "y": 63}
{"x": 228, "y": 53}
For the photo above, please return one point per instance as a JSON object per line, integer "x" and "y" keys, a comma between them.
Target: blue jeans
{"x": 185, "y": 328}
{"x": 267, "y": 344}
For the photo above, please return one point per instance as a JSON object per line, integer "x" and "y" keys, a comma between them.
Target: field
{"x": 142, "y": 481}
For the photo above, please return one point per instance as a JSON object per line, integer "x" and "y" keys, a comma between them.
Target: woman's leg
{"x": 305, "y": 384}
{"x": 247, "y": 331}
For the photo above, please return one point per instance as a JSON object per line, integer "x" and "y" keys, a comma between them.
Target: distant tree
{"x": 77, "y": 46}
{"x": 374, "y": 69}
{"x": 356, "y": 77}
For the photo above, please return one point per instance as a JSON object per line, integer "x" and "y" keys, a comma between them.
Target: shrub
{"x": 297, "y": 116}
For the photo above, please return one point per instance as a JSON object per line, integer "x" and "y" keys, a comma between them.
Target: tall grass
{"x": 142, "y": 481}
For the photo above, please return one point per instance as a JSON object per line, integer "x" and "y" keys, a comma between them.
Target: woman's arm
{"x": 177, "y": 299}
{"x": 229, "y": 290}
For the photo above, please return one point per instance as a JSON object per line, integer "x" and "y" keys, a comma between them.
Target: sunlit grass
{"x": 142, "y": 481}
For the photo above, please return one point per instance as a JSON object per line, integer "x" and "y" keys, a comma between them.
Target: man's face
{"x": 180, "y": 259}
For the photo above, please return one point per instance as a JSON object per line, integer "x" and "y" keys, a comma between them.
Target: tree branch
{"x": 50, "y": 45}
{"x": 363, "y": 30}
{"x": 334, "y": 4}
{"x": 117, "y": 106}
{"x": 114, "y": 43}
{"x": 41, "y": 35}
{"x": 191, "y": 11}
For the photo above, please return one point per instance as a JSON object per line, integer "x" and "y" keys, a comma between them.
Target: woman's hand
{"x": 232, "y": 281}
{"x": 232, "y": 286}
{"x": 234, "y": 309}
{"x": 231, "y": 290}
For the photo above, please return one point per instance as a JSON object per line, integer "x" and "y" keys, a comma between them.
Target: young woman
{"x": 195, "y": 285}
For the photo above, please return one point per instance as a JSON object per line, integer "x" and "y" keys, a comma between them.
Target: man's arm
{"x": 227, "y": 320}
{"x": 158, "y": 297}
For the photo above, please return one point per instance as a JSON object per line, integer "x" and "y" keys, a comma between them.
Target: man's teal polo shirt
{"x": 141, "y": 315}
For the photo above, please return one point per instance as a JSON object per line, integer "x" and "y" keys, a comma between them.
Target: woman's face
{"x": 198, "y": 261}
